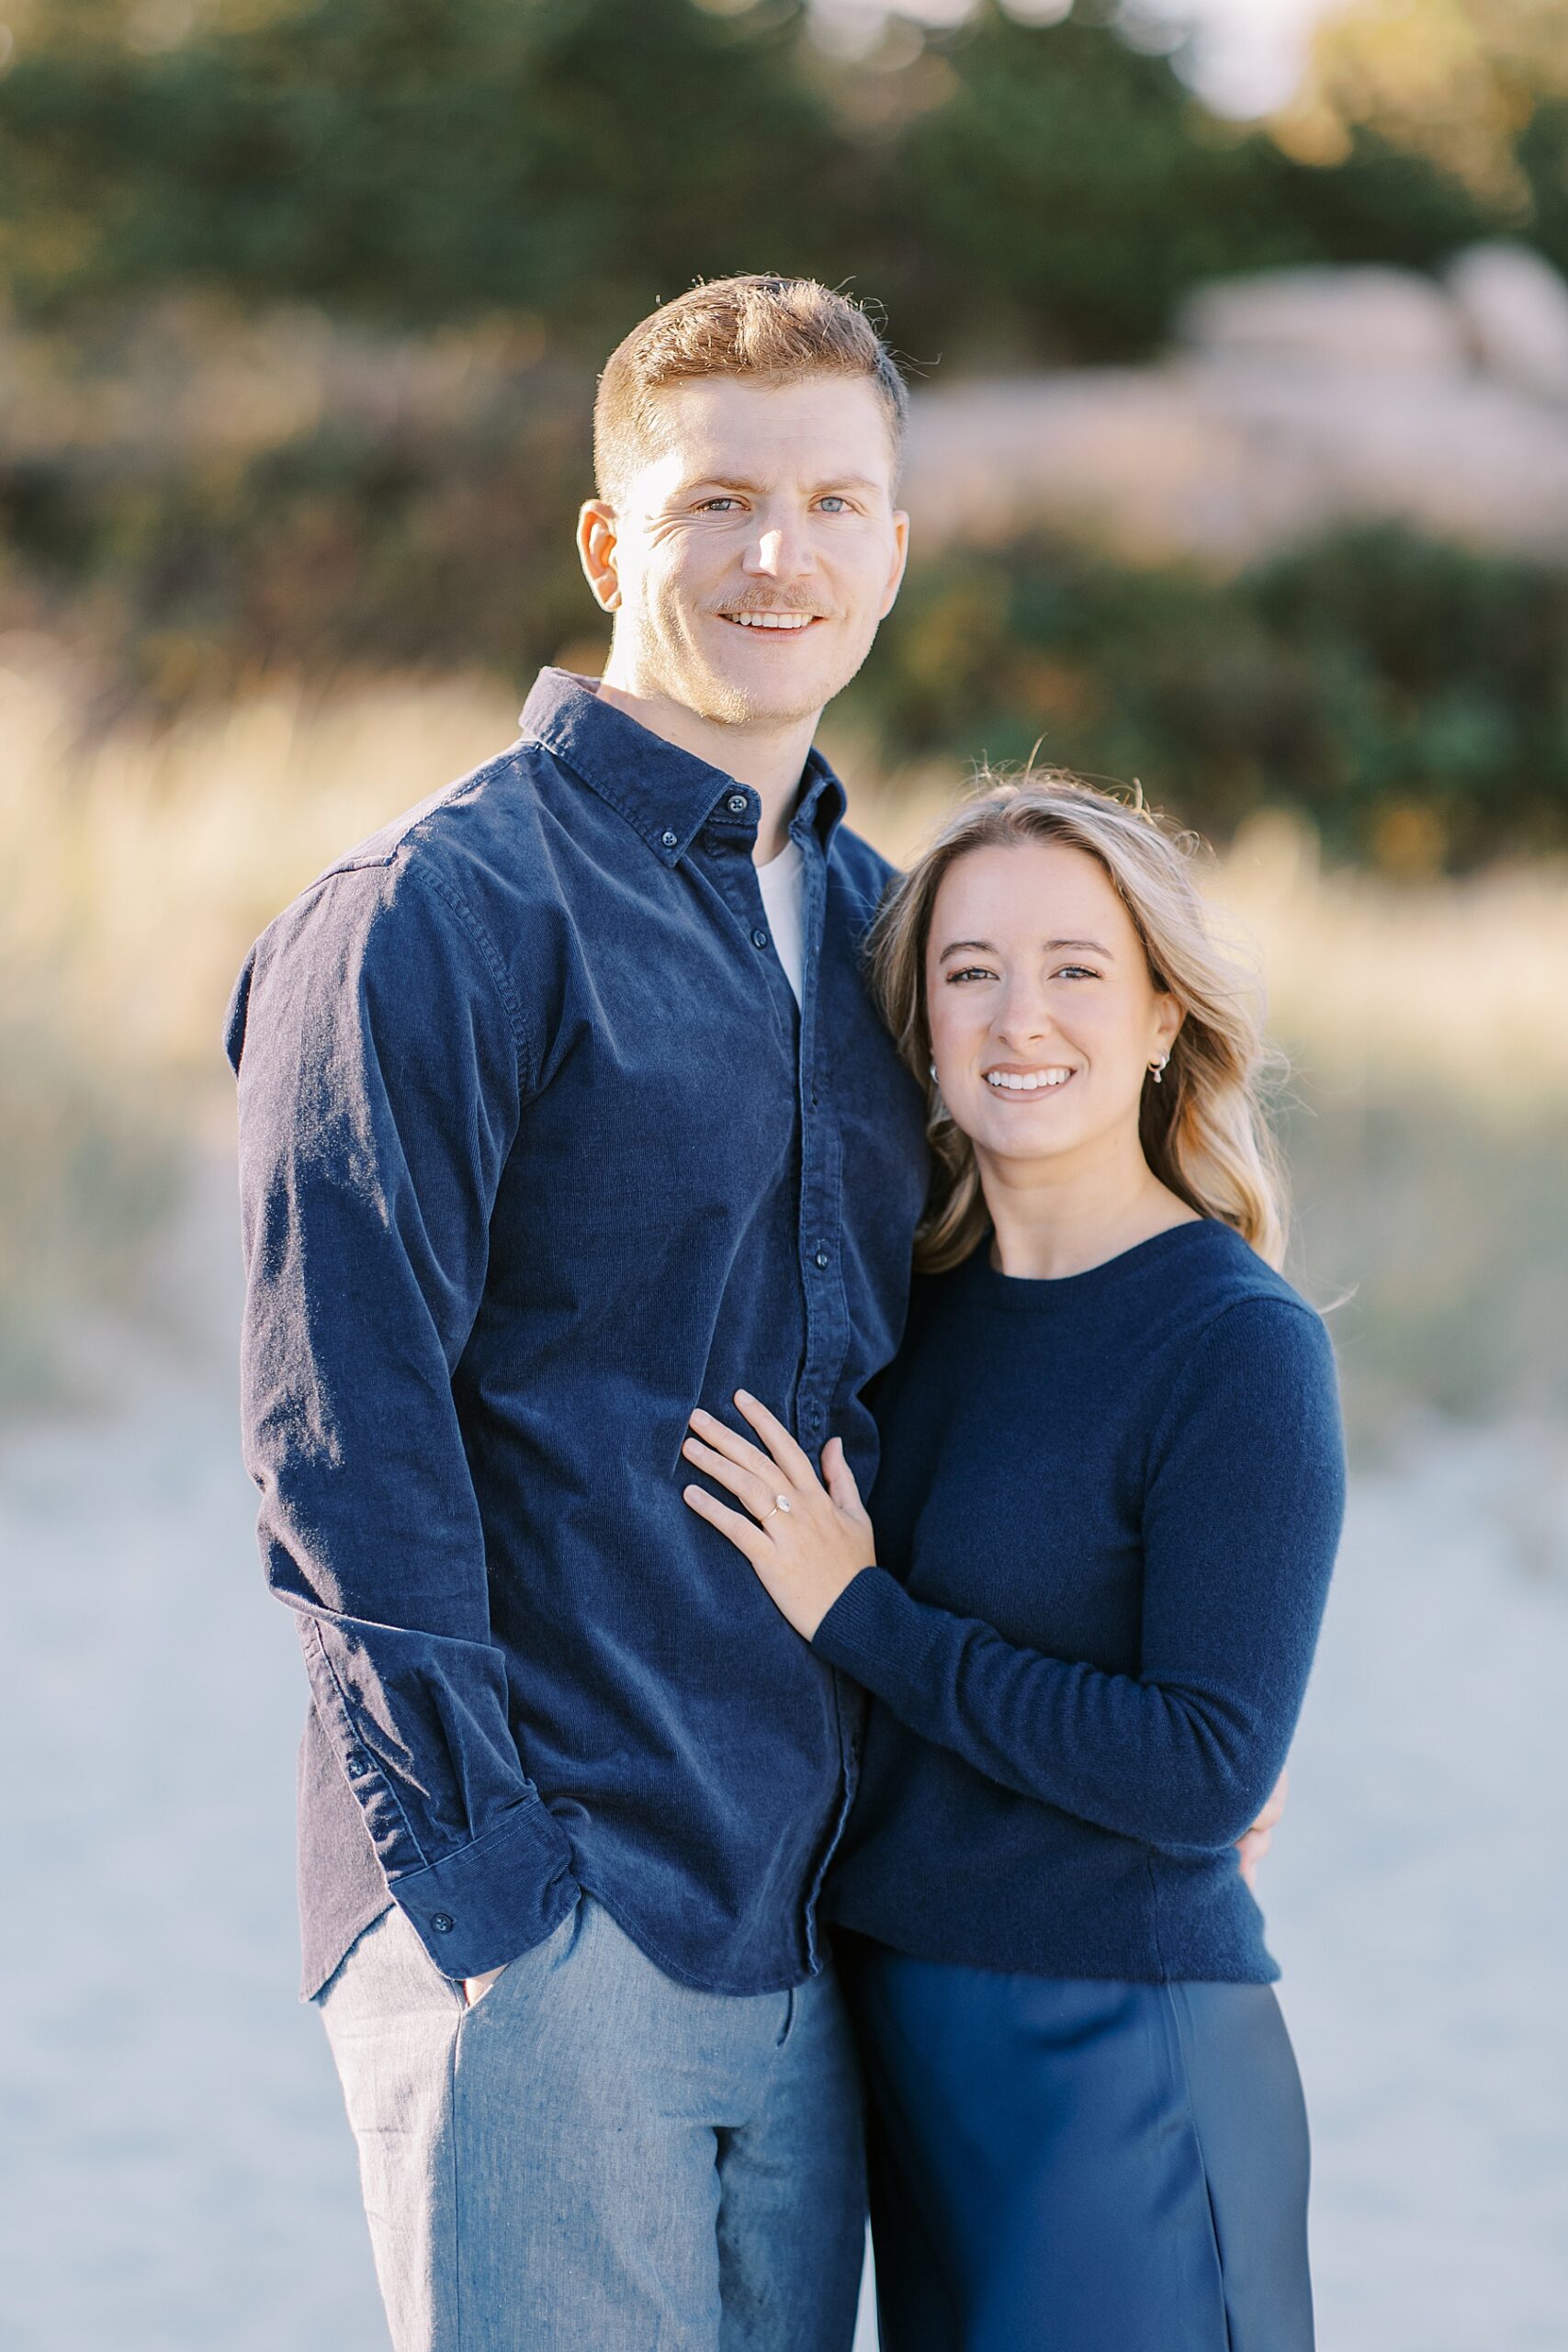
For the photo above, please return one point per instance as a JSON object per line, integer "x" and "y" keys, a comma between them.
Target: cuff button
{"x": 442, "y": 1922}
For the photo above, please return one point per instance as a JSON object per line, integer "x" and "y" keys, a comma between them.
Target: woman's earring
{"x": 934, "y": 1073}
{"x": 1158, "y": 1069}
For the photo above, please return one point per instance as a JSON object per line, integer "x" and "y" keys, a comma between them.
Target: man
{"x": 562, "y": 1111}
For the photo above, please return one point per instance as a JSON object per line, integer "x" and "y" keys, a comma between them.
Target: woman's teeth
{"x": 1013, "y": 1082}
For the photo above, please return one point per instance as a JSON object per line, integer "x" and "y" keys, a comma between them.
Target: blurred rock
{"x": 1514, "y": 309}
{"x": 1345, "y": 318}
{"x": 1293, "y": 403}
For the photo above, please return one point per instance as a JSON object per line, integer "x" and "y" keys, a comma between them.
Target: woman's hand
{"x": 807, "y": 1541}
{"x": 1260, "y": 1836}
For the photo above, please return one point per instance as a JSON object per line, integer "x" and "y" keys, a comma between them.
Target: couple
{"x": 652, "y": 1795}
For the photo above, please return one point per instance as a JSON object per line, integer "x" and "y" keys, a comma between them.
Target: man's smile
{"x": 789, "y": 623}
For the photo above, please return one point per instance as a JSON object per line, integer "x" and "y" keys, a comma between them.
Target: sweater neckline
{"x": 1030, "y": 1294}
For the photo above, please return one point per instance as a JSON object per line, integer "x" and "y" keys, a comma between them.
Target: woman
{"x": 1111, "y": 1492}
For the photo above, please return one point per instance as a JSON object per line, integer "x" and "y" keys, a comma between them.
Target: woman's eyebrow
{"x": 985, "y": 947}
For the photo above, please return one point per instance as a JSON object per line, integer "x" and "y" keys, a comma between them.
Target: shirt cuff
{"x": 876, "y": 1634}
{"x": 494, "y": 1898}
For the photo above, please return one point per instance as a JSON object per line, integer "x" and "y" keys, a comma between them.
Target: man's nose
{"x": 780, "y": 551}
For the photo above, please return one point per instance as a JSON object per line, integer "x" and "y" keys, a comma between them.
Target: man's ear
{"x": 596, "y": 549}
{"x": 900, "y": 558}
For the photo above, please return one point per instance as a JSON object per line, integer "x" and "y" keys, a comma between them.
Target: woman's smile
{"x": 1011, "y": 1078}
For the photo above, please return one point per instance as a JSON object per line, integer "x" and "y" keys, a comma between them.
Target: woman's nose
{"x": 1025, "y": 1018}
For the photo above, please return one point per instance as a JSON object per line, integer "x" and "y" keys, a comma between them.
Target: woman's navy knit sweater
{"x": 1106, "y": 1510}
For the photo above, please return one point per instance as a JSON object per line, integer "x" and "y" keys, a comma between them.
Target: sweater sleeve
{"x": 380, "y": 1091}
{"x": 1243, "y": 1508}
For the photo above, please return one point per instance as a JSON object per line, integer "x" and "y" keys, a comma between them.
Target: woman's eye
{"x": 1077, "y": 972}
{"x": 970, "y": 972}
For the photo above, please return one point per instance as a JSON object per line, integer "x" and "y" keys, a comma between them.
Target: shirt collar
{"x": 664, "y": 793}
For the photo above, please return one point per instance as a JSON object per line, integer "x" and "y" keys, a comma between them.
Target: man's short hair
{"x": 773, "y": 329}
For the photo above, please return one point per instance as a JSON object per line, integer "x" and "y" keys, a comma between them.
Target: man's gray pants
{"x": 595, "y": 2158}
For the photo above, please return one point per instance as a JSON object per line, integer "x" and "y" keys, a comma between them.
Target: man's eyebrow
{"x": 727, "y": 482}
{"x": 959, "y": 947}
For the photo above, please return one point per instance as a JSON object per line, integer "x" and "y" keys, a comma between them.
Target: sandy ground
{"x": 178, "y": 2176}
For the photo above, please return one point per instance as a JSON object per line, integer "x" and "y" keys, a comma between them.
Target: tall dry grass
{"x": 1429, "y": 1114}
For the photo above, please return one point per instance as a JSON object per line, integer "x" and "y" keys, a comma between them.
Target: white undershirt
{"x": 781, "y": 882}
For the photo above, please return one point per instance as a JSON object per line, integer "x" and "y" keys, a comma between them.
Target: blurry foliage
{"x": 432, "y": 217}
{"x": 1410, "y": 697}
{"x": 1479, "y": 87}
{"x": 393, "y": 527}
{"x": 421, "y": 158}
{"x": 1069, "y": 188}
{"x": 1045, "y": 189}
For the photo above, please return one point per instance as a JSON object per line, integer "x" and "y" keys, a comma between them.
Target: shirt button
{"x": 759, "y": 939}
{"x": 737, "y": 804}
{"x": 442, "y": 1922}
{"x": 811, "y": 1416}
{"x": 670, "y": 840}
{"x": 823, "y": 1260}
{"x": 356, "y": 1766}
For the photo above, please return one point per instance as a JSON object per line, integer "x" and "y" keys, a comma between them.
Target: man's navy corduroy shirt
{"x": 536, "y": 1154}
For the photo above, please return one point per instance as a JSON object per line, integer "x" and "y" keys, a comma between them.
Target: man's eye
{"x": 712, "y": 505}
{"x": 833, "y": 503}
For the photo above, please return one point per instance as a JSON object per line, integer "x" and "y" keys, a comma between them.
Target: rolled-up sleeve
{"x": 382, "y": 1067}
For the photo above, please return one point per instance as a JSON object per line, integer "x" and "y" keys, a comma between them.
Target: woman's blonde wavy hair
{"x": 1204, "y": 1129}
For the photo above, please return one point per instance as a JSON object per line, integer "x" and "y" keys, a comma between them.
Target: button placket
{"x": 825, "y": 1341}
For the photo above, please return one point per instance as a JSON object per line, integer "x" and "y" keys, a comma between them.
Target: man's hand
{"x": 1257, "y": 1842}
{"x": 476, "y": 1988}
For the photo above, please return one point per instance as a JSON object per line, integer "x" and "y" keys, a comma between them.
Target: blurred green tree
{"x": 1015, "y": 187}
{"x": 423, "y": 159}
{"x": 1477, "y": 87}
{"x": 1072, "y": 184}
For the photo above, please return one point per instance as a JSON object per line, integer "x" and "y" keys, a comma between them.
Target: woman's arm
{"x": 1241, "y": 1523}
